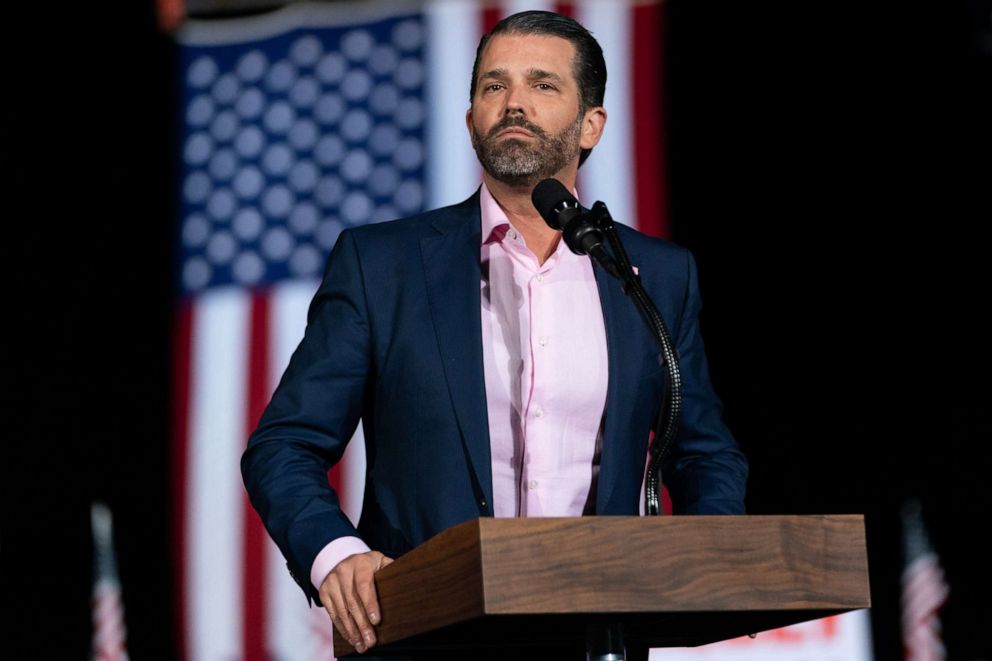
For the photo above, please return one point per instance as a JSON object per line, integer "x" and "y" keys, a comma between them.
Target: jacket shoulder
{"x": 658, "y": 247}
{"x": 423, "y": 224}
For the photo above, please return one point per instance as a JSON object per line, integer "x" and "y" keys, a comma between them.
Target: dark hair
{"x": 590, "y": 67}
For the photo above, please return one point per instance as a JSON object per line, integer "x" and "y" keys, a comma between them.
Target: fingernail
{"x": 369, "y": 639}
{"x": 360, "y": 646}
{"x": 374, "y": 618}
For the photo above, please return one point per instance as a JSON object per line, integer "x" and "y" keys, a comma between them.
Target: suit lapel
{"x": 451, "y": 265}
{"x": 619, "y": 315}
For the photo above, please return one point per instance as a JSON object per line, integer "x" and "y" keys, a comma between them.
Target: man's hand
{"x": 348, "y": 594}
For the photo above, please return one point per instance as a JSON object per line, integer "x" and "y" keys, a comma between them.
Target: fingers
{"x": 332, "y": 596}
{"x": 366, "y": 594}
{"x": 348, "y": 593}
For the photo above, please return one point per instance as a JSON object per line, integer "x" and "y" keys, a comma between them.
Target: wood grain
{"x": 671, "y": 580}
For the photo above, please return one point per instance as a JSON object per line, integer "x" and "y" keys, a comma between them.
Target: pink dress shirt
{"x": 545, "y": 360}
{"x": 546, "y": 372}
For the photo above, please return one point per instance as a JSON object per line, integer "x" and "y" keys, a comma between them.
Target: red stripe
{"x": 490, "y": 16}
{"x": 181, "y": 364}
{"x": 170, "y": 13}
{"x": 565, "y": 9}
{"x": 337, "y": 478}
{"x": 647, "y": 83}
{"x": 253, "y": 605}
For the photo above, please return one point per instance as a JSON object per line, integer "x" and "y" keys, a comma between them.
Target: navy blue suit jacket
{"x": 394, "y": 339}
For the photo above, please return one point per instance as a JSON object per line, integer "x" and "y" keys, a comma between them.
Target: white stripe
{"x": 290, "y": 635}
{"x": 453, "y": 34}
{"x": 353, "y": 472}
{"x": 514, "y": 6}
{"x": 298, "y": 15}
{"x": 846, "y": 637}
{"x": 215, "y": 505}
{"x": 609, "y": 174}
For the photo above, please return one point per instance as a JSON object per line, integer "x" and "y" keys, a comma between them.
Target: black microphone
{"x": 556, "y": 205}
{"x": 561, "y": 211}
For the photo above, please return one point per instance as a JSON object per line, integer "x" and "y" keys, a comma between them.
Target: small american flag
{"x": 296, "y": 125}
{"x": 924, "y": 590}
{"x": 109, "y": 633}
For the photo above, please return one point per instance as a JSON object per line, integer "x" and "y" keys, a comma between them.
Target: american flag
{"x": 924, "y": 590}
{"x": 295, "y": 125}
{"x": 109, "y": 632}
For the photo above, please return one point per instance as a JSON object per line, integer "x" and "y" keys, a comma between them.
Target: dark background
{"x": 830, "y": 169}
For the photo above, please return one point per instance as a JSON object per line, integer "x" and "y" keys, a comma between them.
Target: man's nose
{"x": 514, "y": 102}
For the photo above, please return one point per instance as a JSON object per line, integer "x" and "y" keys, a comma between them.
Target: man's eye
{"x": 545, "y": 86}
{"x": 492, "y": 87}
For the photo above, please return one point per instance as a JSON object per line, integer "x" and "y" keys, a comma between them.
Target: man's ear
{"x": 468, "y": 122}
{"x": 593, "y": 123}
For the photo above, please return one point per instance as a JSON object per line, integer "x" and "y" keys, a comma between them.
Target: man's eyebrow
{"x": 532, "y": 74}
{"x": 493, "y": 73}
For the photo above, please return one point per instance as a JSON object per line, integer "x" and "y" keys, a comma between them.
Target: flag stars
{"x": 252, "y": 66}
{"x": 202, "y": 72}
{"x": 288, "y": 142}
{"x": 305, "y": 51}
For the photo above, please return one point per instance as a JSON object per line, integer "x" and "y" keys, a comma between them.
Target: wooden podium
{"x": 669, "y": 581}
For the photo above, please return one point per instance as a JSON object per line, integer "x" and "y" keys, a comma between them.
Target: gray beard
{"x": 517, "y": 163}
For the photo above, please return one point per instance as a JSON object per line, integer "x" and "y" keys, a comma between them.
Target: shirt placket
{"x": 538, "y": 456}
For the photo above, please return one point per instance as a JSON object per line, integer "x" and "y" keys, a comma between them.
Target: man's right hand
{"x": 348, "y": 594}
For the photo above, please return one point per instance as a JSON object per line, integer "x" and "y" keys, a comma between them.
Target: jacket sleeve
{"x": 312, "y": 415}
{"x": 705, "y": 470}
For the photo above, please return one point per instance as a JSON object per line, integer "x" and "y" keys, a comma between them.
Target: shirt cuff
{"x": 332, "y": 554}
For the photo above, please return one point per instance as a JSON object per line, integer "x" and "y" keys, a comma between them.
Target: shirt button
{"x": 539, "y": 412}
{"x": 513, "y": 234}
{"x": 540, "y": 277}
{"x": 543, "y": 340}
{"x": 532, "y": 485}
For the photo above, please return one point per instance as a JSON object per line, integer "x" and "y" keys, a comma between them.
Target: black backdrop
{"x": 830, "y": 169}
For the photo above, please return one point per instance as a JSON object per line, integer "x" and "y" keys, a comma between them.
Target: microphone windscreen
{"x": 548, "y": 197}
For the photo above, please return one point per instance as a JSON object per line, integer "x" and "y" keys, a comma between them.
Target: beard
{"x": 518, "y": 163}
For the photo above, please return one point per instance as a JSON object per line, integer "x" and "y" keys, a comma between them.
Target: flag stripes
{"x": 216, "y": 508}
{"x": 109, "y": 632}
{"x": 647, "y": 120}
{"x": 255, "y": 540}
{"x": 182, "y": 336}
{"x": 924, "y": 590}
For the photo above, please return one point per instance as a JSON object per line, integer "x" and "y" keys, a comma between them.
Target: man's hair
{"x": 589, "y": 67}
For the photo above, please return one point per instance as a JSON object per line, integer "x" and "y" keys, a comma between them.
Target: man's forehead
{"x": 540, "y": 51}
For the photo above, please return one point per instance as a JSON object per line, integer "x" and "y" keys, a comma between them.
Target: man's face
{"x": 524, "y": 120}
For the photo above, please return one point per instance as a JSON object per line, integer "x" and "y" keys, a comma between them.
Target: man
{"x": 480, "y": 353}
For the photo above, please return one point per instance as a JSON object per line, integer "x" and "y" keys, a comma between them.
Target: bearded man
{"x": 495, "y": 372}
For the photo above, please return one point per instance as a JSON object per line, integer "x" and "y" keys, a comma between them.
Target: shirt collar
{"x": 495, "y": 224}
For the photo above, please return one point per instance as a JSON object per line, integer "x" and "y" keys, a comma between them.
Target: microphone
{"x": 561, "y": 211}
{"x": 556, "y": 205}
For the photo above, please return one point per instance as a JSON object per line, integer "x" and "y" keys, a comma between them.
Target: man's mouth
{"x": 515, "y": 131}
